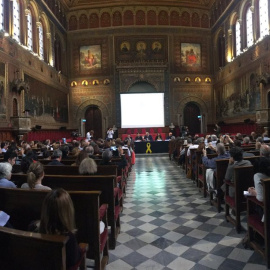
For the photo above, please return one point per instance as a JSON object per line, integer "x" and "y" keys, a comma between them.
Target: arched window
{"x": 30, "y": 31}
{"x": 264, "y": 22}
{"x": 16, "y": 20}
{"x": 249, "y": 27}
{"x": 41, "y": 41}
{"x": 2, "y": 15}
{"x": 237, "y": 38}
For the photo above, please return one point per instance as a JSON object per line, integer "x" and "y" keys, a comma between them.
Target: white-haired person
{"x": 5, "y": 175}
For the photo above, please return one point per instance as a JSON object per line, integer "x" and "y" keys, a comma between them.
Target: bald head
{"x": 265, "y": 150}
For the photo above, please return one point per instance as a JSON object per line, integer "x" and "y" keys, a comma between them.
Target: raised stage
{"x": 151, "y": 147}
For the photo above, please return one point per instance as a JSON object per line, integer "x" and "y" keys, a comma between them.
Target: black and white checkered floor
{"x": 167, "y": 224}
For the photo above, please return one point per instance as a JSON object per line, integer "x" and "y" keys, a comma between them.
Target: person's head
{"x": 138, "y": 134}
{"x": 82, "y": 155}
{"x": 237, "y": 143}
{"x": 4, "y": 145}
{"x": 57, "y": 154}
{"x": 65, "y": 151}
{"x": 147, "y": 133}
{"x": 214, "y": 138}
{"x": 27, "y": 160}
{"x": 46, "y": 154}
{"x": 35, "y": 173}
{"x": 89, "y": 149}
{"x": 236, "y": 153}
{"x": 5, "y": 170}
{"x": 170, "y": 134}
{"x": 106, "y": 155}
{"x": 265, "y": 150}
{"x": 10, "y": 156}
{"x": 57, "y": 214}
{"x": 220, "y": 149}
{"x": 88, "y": 166}
{"x": 246, "y": 140}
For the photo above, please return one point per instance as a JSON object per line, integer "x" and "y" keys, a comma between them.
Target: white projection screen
{"x": 142, "y": 110}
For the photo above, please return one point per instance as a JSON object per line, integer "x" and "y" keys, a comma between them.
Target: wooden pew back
{"x": 27, "y": 250}
{"x": 24, "y": 206}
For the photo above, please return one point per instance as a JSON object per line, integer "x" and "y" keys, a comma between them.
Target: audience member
{"x": 56, "y": 158}
{"x": 88, "y": 166}
{"x": 35, "y": 175}
{"x": 82, "y": 155}
{"x": 57, "y": 217}
{"x": 5, "y": 175}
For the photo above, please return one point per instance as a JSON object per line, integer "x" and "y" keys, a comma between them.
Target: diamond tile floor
{"x": 167, "y": 224}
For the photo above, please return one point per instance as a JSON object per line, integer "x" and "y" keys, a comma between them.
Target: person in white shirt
{"x": 110, "y": 133}
{"x": 88, "y": 136}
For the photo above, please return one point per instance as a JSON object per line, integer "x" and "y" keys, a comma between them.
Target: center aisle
{"x": 167, "y": 224}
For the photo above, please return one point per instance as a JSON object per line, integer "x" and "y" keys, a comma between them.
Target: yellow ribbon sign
{"x": 148, "y": 150}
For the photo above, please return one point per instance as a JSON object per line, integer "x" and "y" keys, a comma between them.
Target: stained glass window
{"x": 264, "y": 21}
{"x": 238, "y": 38}
{"x": 16, "y": 20}
{"x": 249, "y": 25}
{"x": 41, "y": 41}
{"x": 30, "y": 31}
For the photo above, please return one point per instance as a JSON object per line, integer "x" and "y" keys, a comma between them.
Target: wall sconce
{"x": 95, "y": 82}
{"x": 187, "y": 79}
{"x": 207, "y": 80}
{"x": 198, "y": 80}
{"x": 73, "y": 84}
{"x": 84, "y": 82}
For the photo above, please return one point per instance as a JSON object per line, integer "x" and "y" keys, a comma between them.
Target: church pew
{"x": 201, "y": 172}
{"x": 243, "y": 179}
{"x": 24, "y": 206}
{"x": 222, "y": 165}
{"x": 27, "y": 250}
{"x": 255, "y": 224}
{"x": 104, "y": 183}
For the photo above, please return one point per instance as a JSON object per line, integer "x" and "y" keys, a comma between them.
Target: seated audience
{"x": 263, "y": 172}
{"x": 57, "y": 217}
{"x": 27, "y": 160}
{"x": 10, "y": 156}
{"x": 56, "y": 158}
{"x": 88, "y": 166}
{"x": 5, "y": 175}
{"x": 4, "y": 147}
{"x": 246, "y": 141}
{"x": 211, "y": 164}
{"x": 107, "y": 158}
{"x": 235, "y": 160}
{"x": 83, "y": 154}
{"x": 35, "y": 175}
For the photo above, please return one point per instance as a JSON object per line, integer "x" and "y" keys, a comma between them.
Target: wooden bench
{"x": 104, "y": 183}
{"x": 255, "y": 225}
{"x": 27, "y": 250}
{"x": 24, "y": 206}
{"x": 243, "y": 179}
{"x": 222, "y": 165}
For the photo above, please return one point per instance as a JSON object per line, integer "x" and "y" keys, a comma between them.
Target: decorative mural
{"x": 141, "y": 48}
{"x": 90, "y": 57}
{"x": 239, "y": 97}
{"x": 2, "y": 91}
{"x": 45, "y": 104}
{"x": 191, "y": 54}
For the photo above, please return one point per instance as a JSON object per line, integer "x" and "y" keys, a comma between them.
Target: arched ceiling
{"x": 85, "y": 4}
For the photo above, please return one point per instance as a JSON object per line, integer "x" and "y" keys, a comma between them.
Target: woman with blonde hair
{"x": 57, "y": 217}
{"x": 35, "y": 175}
{"x": 88, "y": 166}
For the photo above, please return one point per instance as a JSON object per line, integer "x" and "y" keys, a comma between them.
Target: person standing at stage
{"x": 110, "y": 133}
{"x": 148, "y": 137}
{"x": 217, "y": 130}
{"x": 88, "y": 136}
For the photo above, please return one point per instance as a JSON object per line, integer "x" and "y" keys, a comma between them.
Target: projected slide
{"x": 142, "y": 110}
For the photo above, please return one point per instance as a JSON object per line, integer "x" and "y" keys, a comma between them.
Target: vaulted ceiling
{"x": 84, "y": 4}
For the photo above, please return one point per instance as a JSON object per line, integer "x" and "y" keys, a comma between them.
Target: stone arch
{"x": 199, "y": 102}
{"x": 144, "y": 80}
{"x": 105, "y": 114}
